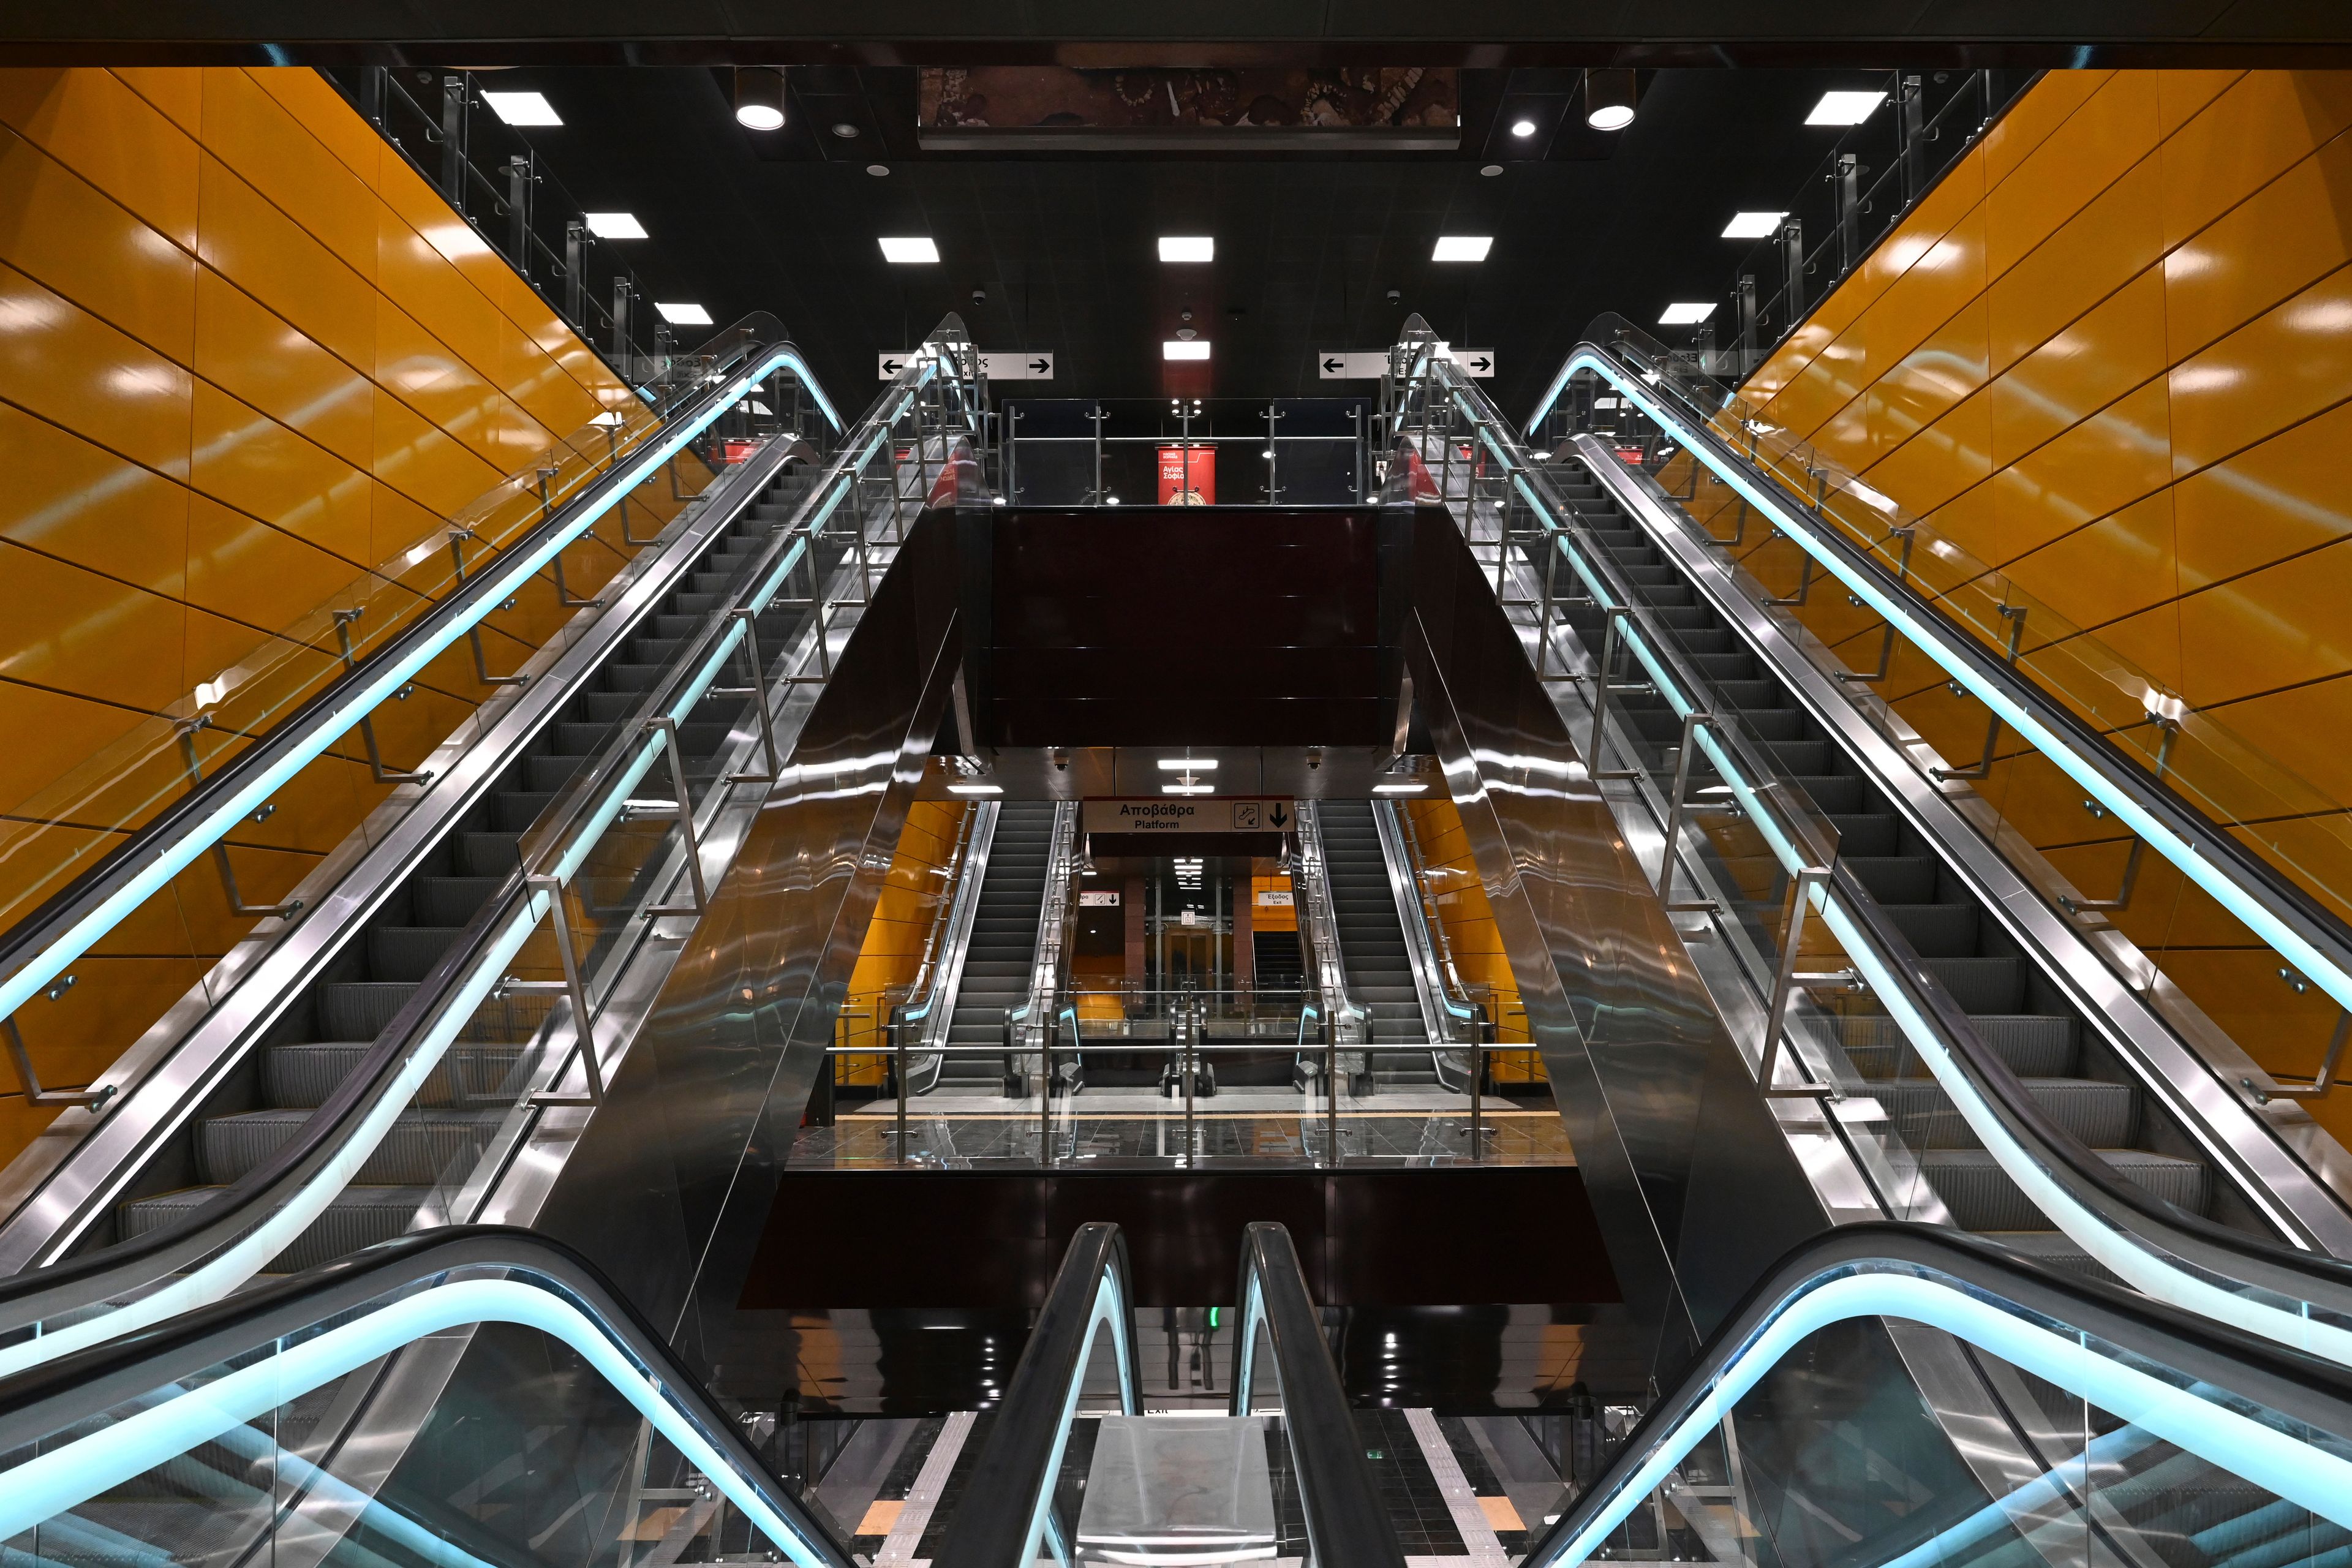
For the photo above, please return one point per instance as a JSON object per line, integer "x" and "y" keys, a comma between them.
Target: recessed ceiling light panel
{"x": 1523, "y": 128}
{"x": 1844, "y": 108}
{"x": 1188, "y": 247}
{"x": 1462, "y": 247}
{"x": 522, "y": 108}
{"x": 681, "y": 314}
{"x": 1685, "y": 315}
{"x": 1174, "y": 348}
{"x": 615, "y": 225}
{"x": 1752, "y": 225}
{"x": 910, "y": 250}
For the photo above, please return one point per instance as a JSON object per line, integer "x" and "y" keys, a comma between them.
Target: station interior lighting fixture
{"x": 615, "y": 225}
{"x": 1523, "y": 128}
{"x": 682, "y": 313}
{"x": 1197, "y": 348}
{"x": 1844, "y": 108}
{"x": 1609, "y": 97}
{"x": 759, "y": 97}
{"x": 1462, "y": 247}
{"x": 1685, "y": 314}
{"x": 522, "y": 108}
{"x": 1188, "y": 247}
{"x": 975, "y": 789}
{"x": 1186, "y": 764}
{"x": 909, "y": 251}
{"x": 1752, "y": 225}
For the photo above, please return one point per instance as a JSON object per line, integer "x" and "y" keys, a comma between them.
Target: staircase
{"x": 1004, "y": 952}
{"x": 2020, "y": 1012}
{"x": 440, "y": 1137}
{"x": 1373, "y": 949}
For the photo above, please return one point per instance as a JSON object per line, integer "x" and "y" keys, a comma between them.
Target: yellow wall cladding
{"x": 249, "y": 355}
{"x": 2111, "y": 355}
{"x": 892, "y": 953}
{"x": 1472, "y": 937}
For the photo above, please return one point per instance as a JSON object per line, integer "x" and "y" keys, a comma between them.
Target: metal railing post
{"x": 584, "y": 1032}
{"x": 458, "y": 537}
{"x": 1784, "y": 984}
{"x": 343, "y": 619}
{"x": 187, "y": 728}
{"x": 685, "y": 803}
{"x": 1331, "y": 1084}
{"x": 898, "y": 1049}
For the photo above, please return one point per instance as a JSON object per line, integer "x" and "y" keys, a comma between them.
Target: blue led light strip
{"x": 1921, "y": 631}
{"x": 2224, "y": 1436}
{"x": 72, "y": 1473}
{"x": 1109, "y": 1312}
{"x": 380, "y": 682}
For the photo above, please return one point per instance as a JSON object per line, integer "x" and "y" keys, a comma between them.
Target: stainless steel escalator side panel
{"x": 2288, "y": 1169}
{"x": 1696, "y": 1188}
{"x": 668, "y": 1185}
{"x": 68, "y": 1179}
{"x": 955, "y": 947}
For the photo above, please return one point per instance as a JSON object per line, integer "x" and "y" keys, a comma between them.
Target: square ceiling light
{"x": 1462, "y": 247}
{"x": 1844, "y": 108}
{"x": 1188, "y": 247}
{"x": 615, "y": 225}
{"x": 682, "y": 315}
{"x": 910, "y": 250}
{"x": 522, "y": 108}
{"x": 1752, "y": 225}
{"x": 1685, "y": 315}
{"x": 1197, "y": 348}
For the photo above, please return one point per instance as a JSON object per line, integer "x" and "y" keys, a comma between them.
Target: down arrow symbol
{"x": 1278, "y": 816}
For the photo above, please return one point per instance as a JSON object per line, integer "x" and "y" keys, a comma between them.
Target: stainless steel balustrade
{"x": 1452, "y": 1020}
{"x": 221, "y": 1244}
{"x": 77, "y": 1429}
{"x": 919, "y": 1025}
{"x": 1332, "y": 1022}
{"x": 2298, "y": 1298}
{"x": 2272, "y": 1423}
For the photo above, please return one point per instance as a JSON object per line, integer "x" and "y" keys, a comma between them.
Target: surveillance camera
{"x": 1186, "y": 315}
{"x": 1394, "y": 295}
{"x": 980, "y": 296}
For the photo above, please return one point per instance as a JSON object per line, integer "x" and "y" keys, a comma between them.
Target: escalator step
{"x": 2033, "y": 1044}
{"x": 1982, "y": 1197}
{"x": 452, "y": 901}
{"x": 551, "y": 773}
{"x": 489, "y": 854}
{"x": 422, "y": 1147}
{"x": 1981, "y": 985}
{"x": 406, "y": 953}
{"x": 2103, "y": 1115}
{"x": 1895, "y": 878}
{"x": 302, "y": 1075}
{"x": 360, "y": 1216}
{"x": 1937, "y": 931}
{"x": 359, "y": 1009}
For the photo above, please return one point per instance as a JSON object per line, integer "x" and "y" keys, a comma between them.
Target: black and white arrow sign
{"x": 998, "y": 365}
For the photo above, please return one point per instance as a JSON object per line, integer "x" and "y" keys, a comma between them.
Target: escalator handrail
{"x": 1346, "y": 1519}
{"x": 392, "y": 1069}
{"x": 2311, "y": 938}
{"x": 2038, "y": 1313}
{"x": 36, "y": 949}
{"x": 2183, "y": 1258}
{"x": 1311, "y": 866}
{"x": 301, "y": 1310}
{"x": 1010, "y": 1493}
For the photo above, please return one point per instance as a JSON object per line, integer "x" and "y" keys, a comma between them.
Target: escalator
{"x": 998, "y": 962}
{"x": 1372, "y": 947}
{"x": 327, "y": 1031}
{"x": 2017, "y": 1009}
{"x": 429, "y": 1047}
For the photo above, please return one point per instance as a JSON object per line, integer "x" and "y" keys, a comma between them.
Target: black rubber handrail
{"x": 1011, "y": 1484}
{"x": 2297, "y": 1387}
{"x": 48, "y": 1400}
{"x": 1346, "y": 1523}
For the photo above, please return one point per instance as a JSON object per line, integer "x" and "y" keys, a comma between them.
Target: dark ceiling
{"x": 1308, "y": 245}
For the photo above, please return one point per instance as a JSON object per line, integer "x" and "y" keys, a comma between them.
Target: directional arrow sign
{"x": 1337, "y": 364}
{"x": 999, "y": 365}
{"x": 1278, "y": 816}
{"x": 1476, "y": 362}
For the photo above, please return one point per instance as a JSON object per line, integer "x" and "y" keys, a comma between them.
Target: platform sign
{"x": 1167, "y": 815}
{"x": 997, "y": 364}
{"x": 1098, "y": 898}
{"x": 1338, "y": 365}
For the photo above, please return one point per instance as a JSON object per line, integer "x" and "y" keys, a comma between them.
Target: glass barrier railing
{"x": 505, "y": 1023}
{"x": 2062, "y": 747}
{"x": 176, "y": 841}
{"x": 535, "y": 1415}
{"x": 1806, "y": 1433}
{"x": 1818, "y": 935}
